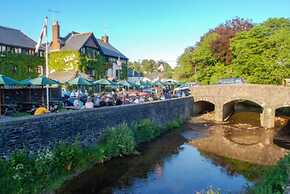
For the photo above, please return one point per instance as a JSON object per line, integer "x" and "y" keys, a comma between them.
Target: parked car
{"x": 231, "y": 81}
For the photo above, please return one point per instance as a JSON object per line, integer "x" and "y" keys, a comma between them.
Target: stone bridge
{"x": 223, "y": 97}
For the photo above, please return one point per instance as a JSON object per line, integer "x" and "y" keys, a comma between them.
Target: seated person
{"x": 119, "y": 101}
{"x": 41, "y": 110}
{"x": 89, "y": 103}
{"x": 97, "y": 101}
{"x": 78, "y": 103}
{"x": 73, "y": 94}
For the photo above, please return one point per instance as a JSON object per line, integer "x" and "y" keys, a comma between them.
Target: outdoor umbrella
{"x": 79, "y": 81}
{"x": 6, "y": 81}
{"x": 103, "y": 82}
{"x": 124, "y": 83}
{"x": 158, "y": 83}
{"x": 147, "y": 84}
{"x": 134, "y": 85}
{"x": 40, "y": 81}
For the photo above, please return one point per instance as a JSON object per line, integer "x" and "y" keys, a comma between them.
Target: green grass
{"x": 275, "y": 179}
{"x": 47, "y": 170}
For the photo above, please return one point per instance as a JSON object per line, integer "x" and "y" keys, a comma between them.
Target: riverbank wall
{"x": 34, "y": 133}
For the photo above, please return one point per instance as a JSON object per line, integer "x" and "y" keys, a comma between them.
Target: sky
{"x": 141, "y": 29}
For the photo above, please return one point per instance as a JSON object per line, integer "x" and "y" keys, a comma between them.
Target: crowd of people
{"x": 81, "y": 99}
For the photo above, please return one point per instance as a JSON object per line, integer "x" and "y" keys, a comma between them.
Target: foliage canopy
{"x": 258, "y": 53}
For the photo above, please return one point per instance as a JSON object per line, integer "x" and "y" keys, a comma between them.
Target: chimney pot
{"x": 105, "y": 39}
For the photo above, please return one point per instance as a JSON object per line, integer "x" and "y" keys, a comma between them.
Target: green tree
{"x": 194, "y": 61}
{"x": 262, "y": 55}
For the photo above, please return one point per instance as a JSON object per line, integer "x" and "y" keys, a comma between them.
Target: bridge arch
{"x": 203, "y": 106}
{"x": 229, "y": 107}
{"x": 236, "y": 99}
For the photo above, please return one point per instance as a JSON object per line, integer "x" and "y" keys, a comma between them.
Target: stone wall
{"x": 37, "y": 132}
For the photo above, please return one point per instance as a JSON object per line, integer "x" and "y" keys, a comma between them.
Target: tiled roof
{"x": 109, "y": 50}
{"x": 14, "y": 37}
{"x": 75, "y": 41}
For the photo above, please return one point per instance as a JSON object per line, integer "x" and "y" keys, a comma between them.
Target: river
{"x": 228, "y": 157}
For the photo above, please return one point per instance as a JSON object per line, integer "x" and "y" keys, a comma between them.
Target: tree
{"x": 262, "y": 55}
{"x": 150, "y": 67}
{"x": 196, "y": 59}
{"x": 221, "y": 46}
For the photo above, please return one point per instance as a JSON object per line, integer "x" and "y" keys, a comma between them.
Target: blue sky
{"x": 157, "y": 29}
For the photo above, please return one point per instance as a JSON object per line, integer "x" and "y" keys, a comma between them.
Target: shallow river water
{"x": 202, "y": 155}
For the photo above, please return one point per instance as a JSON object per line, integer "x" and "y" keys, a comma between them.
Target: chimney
{"x": 55, "y": 36}
{"x": 105, "y": 39}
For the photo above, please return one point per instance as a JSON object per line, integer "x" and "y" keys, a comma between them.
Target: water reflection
{"x": 241, "y": 141}
{"x": 202, "y": 155}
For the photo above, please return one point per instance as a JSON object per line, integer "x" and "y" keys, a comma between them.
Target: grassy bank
{"x": 275, "y": 179}
{"x": 48, "y": 169}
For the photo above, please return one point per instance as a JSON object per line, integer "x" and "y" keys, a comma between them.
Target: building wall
{"x": 37, "y": 132}
{"x": 21, "y": 66}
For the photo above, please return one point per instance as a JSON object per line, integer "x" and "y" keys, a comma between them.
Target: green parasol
{"x": 40, "y": 81}
{"x": 124, "y": 83}
{"x": 102, "y": 82}
{"x": 79, "y": 81}
{"x": 7, "y": 81}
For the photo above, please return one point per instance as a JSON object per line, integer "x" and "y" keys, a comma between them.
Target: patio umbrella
{"x": 102, "y": 82}
{"x": 40, "y": 81}
{"x": 124, "y": 83}
{"x": 25, "y": 82}
{"x": 79, "y": 81}
{"x": 158, "y": 83}
{"x": 147, "y": 84}
{"x": 6, "y": 81}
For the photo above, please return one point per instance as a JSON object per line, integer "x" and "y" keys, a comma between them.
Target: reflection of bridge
{"x": 220, "y": 144}
{"x": 223, "y": 97}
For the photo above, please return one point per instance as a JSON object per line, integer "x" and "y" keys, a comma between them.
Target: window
{"x": 83, "y": 50}
{"x": 8, "y": 48}
{"x": 24, "y": 51}
{"x": 2, "y": 48}
{"x": 39, "y": 70}
{"x": 17, "y": 50}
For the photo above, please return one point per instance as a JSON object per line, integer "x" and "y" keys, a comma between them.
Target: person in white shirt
{"x": 89, "y": 103}
{"x": 97, "y": 101}
{"x": 78, "y": 104}
{"x": 73, "y": 94}
{"x": 136, "y": 101}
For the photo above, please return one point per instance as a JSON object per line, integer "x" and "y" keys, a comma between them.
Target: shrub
{"x": 145, "y": 131}
{"x": 177, "y": 123}
{"x": 118, "y": 141}
{"x": 275, "y": 180}
{"x": 67, "y": 157}
{"x": 47, "y": 170}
